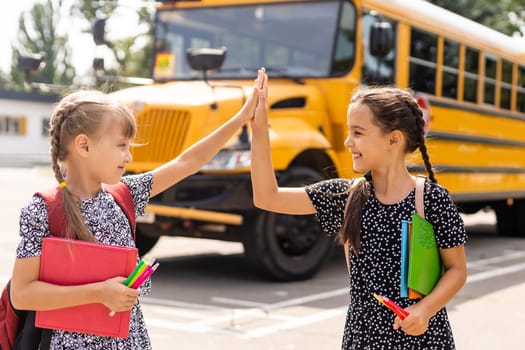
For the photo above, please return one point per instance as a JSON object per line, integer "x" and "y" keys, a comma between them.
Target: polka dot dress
{"x": 369, "y": 325}
{"x": 108, "y": 223}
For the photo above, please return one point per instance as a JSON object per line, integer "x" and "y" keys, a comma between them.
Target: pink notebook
{"x": 72, "y": 262}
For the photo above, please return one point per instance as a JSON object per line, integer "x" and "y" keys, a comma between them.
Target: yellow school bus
{"x": 316, "y": 53}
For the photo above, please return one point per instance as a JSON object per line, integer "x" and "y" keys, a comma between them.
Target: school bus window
{"x": 246, "y": 50}
{"x": 450, "y": 69}
{"x": 199, "y": 43}
{"x": 253, "y": 36}
{"x": 506, "y": 85}
{"x": 375, "y": 70}
{"x": 470, "y": 83}
{"x": 344, "y": 53}
{"x": 423, "y": 54}
{"x": 521, "y": 89}
{"x": 276, "y": 55}
{"x": 489, "y": 92}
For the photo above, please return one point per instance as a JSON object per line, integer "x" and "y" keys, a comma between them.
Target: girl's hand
{"x": 261, "y": 112}
{"x": 247, "y": 111}
{"x": 116, "y": 296}
{"x": 414, "y": 324}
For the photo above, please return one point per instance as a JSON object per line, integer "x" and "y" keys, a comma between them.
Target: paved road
{"x": 206, "y": 297}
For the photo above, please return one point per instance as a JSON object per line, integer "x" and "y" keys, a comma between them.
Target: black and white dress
{"x": 369, "y": 325}
{"x": 109, "y": 224}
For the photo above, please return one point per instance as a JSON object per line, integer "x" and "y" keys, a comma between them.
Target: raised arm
{"x": 196, "y": 156}
{"x": 266, "y": 192}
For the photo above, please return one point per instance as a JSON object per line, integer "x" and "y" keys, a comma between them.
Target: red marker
{"x": 398, "y": 310}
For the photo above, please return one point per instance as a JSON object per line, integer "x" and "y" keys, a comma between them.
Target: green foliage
{"x": 38, "y": 34}
{"x": 130, "y": 59}
{"x": 506, "y": 16}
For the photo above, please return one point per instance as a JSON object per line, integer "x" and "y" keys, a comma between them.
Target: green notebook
{"x": 424, "y": 267}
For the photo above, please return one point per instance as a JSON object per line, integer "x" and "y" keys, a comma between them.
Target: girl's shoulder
{"x": 35, "y": 207}
{"x": 435, "y": 191}
{"x": 139, "y": 184}
{"x": 336, "y": 186}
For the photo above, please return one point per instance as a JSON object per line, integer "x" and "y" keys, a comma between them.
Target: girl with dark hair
{"x": 385, "y": 124}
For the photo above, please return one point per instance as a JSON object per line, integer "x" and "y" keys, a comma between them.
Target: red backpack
{"x": 17, "y": 327}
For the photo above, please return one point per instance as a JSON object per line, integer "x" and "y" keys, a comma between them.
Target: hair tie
{"x": 62, "y": 184}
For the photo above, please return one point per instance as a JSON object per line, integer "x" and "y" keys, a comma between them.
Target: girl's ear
{"x": 81, "y": 145}
{"x": 395, "y": 139}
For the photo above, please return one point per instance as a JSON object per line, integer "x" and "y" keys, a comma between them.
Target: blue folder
{"x": 404, "y": 259}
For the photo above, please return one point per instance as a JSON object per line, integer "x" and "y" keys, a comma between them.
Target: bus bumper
{"x": 209, "y": 198}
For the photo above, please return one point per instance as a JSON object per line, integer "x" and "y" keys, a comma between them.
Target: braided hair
{"x": 393, "y": 109}
{"x": 81, "y": 112}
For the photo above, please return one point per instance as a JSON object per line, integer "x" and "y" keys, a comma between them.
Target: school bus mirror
{"x": 98, "y": 64}
{"x": 381, "y": 39}
{"x": 99, "y": 31}
{"x": 30, "y": 63}
{"x": 206, "y": 59}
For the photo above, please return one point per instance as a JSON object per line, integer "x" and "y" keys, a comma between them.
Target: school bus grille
{"x": 160, "y": 134}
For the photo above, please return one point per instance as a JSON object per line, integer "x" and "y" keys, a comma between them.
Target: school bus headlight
{"x": 229, "y": 159}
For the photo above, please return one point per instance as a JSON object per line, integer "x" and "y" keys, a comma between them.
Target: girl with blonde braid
{"x": 384, "y": 125}
{"x": 91, "y": 135}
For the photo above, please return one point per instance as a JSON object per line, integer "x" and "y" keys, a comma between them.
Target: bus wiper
{"x": 272, "y": 72}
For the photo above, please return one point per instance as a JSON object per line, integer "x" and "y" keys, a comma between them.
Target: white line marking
{"x": 262, "y": 310}
{"x": 188, "y": 327}
{"x": 299, "y": 322}
{"x": 495, "y": 273}
{"x": 181, "y": 304}
{"x": 258, "y": 332}
{"x": 497, "y": 259}
{"x": 238, "y": 302}
{"x": 281, "y": 304}
{"x": 162, "y": 310}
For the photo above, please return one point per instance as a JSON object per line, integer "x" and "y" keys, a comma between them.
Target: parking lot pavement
{"x": 492, "y": 321}
{"x": 205, "y": 298}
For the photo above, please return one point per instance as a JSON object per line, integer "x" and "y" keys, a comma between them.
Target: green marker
{"x": 135, "y": 273}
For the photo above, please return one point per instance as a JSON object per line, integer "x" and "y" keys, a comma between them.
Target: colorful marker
{"x": 143, "y": 266}
{"x": 398, "y": 310}
{"x": 133, "y": 273}
{"x": 139, "y": 274}
{"x": 148, "y": 272}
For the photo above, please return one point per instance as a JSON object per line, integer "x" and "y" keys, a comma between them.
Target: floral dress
{"x": 108, "y": 223}
{"x": 369, "y": 325}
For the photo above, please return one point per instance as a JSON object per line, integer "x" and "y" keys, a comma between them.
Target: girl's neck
{"x": 82, "y": 191}
{"x": 390, "y": 188}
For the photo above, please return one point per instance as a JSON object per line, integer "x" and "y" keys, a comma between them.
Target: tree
{"x": 132, "y": 54}
{"x": 38, "y": 34}
{"x": 506, "y": 16}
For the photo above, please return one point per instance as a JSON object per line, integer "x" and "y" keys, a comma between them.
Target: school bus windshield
{"x": 291, "y": 40}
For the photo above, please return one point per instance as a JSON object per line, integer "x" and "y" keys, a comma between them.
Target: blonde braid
{"x": 75, "y": 226}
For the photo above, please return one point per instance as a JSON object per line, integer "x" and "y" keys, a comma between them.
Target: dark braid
{"x": 420, "y": 124}
{"x": 393, "y": 109}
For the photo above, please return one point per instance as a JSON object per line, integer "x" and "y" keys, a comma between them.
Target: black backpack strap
{"x": 45, "y": 341}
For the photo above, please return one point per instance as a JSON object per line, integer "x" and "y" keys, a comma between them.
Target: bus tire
{"x": 144, "y": 242}
{"x": 288, "y": 247}
{"x": 510, "y": 221}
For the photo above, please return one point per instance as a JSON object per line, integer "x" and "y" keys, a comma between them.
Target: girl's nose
{"x": 347, "y": 142}
{"x": 129, "y": 157}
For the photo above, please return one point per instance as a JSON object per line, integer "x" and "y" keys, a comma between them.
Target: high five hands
{"x": 261, "y": 92}
{"x": 257, "y": 97}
